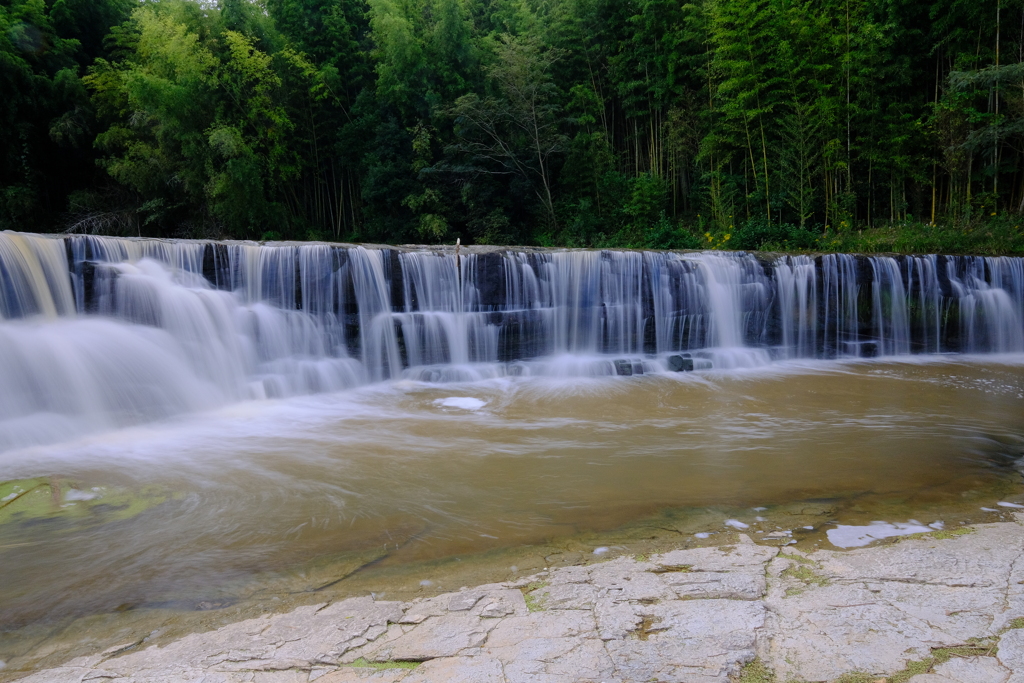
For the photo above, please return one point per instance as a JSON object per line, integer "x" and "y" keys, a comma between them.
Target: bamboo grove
{"x": 591, "y": 123}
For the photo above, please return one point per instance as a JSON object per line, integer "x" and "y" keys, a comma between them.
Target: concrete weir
{"x": 943, "y": 607}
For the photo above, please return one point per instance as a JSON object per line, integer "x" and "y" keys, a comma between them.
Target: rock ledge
{"x": 948, "y": 607}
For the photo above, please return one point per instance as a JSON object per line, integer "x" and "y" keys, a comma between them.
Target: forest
{"x": 858, "y": 125}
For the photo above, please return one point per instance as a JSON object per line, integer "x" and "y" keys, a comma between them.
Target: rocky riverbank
{"x": 933, "y": 608}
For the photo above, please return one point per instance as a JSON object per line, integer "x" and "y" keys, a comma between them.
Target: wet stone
{"x": 462, "y": 601}
{"x": 690, "y": 615}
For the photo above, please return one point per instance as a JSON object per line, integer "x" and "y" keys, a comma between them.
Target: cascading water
{"x": 100, "y": 332}
{"x": 889, "y": 307}
{"x": 796, "y": 283}
{"x": 925, "y": 300}
{"x": 840, "y": 290}
{"x": 989, "y": 307}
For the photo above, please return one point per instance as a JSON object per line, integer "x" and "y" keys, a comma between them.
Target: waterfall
{"x": 889, "y": 307}
{"x": 33, "y": 277}
{"x": 378, "y": 341}
{"x": 990, "y": 308}
{"x": 101, "y": 332}
{"x": 925, "y": 298}
{"x": 796, "y": 278}
{"x": 839, "y": 292}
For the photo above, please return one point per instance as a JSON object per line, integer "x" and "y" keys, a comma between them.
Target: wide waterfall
{"x": 100, "y": 332}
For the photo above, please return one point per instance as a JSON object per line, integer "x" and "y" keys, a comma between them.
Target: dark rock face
{"x": 680, "y": 363}
{"x": 216, "y": 265}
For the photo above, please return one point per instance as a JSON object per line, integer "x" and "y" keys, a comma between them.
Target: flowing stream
{"x": 188, "y": 423}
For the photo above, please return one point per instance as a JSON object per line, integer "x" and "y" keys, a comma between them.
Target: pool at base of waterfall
{"x": 378, "y": 488}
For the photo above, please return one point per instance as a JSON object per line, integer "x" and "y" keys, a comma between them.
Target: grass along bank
{"x": 996, "y": 235}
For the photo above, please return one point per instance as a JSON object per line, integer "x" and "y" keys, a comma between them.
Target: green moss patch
{"x": 802, "y": 570}
{"x": 858, "y": 677}
{"x": 798, "y": 558}
{"x": 756, "y": 672}
{"x": 941, "y": 534}
{"x": 673, "y": 569}
{"x": 974, "y": 647}
{"x": 362, "y": 663}
{"x": 25, "y": 502}
{"x": 534, "y": 603}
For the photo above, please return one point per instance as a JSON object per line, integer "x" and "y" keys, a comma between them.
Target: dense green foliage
{"x": 794, "y": 124}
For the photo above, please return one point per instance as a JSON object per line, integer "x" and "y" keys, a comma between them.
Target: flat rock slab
{"x": 687, "y": 616}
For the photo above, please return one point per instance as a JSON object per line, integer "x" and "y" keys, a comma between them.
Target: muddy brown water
{"x": 409, "y": 489}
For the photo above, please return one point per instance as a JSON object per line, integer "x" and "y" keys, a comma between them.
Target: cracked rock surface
{"x": 697, "y": 615}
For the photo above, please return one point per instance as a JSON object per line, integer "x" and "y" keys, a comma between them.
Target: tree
{"x": 584, "y": 122}
{"x": 199, "y": 130}
{"x": 46, "y": 119}
{"x": 988, "y": 132}
{"x": 517, "y": 131}
{"x": 750, "y": 86}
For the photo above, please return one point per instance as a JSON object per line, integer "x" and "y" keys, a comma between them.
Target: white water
{"x": 99, "y": 333}
{"x": 847, "y": 536}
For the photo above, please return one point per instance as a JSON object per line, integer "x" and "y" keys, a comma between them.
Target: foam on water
{"x": 856, "y": 536}
{"x": 463, "y": 402}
